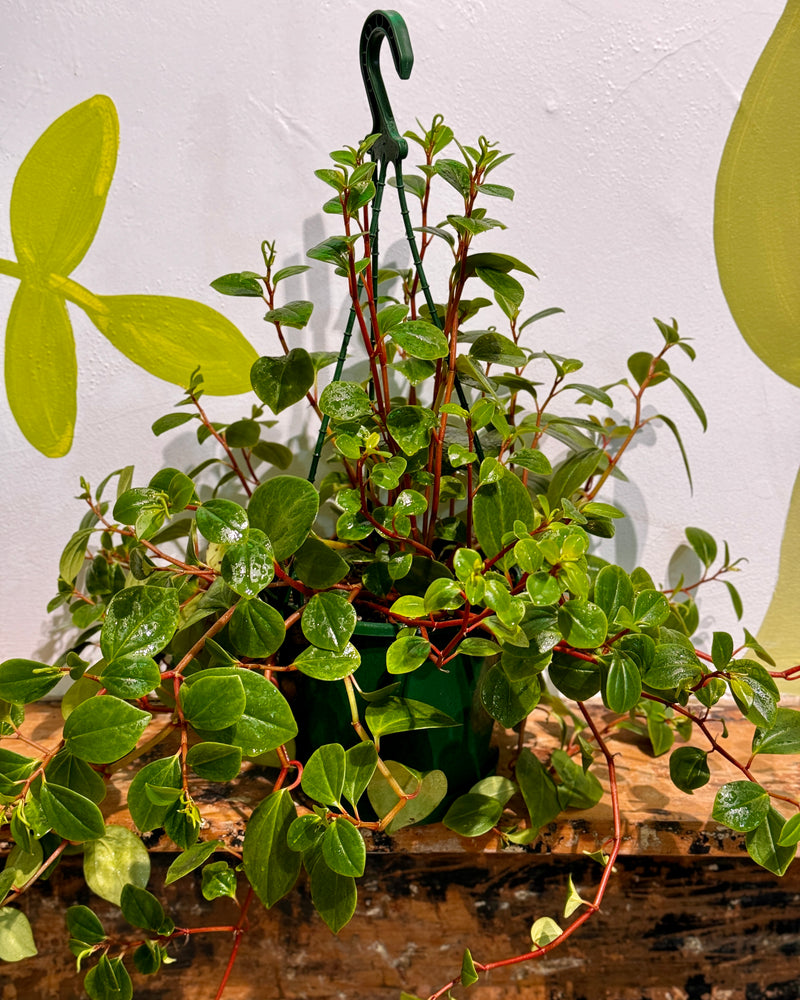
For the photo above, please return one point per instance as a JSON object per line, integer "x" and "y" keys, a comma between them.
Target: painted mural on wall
{"x": 757, "y": 242}
{"x": 57, "y": 203}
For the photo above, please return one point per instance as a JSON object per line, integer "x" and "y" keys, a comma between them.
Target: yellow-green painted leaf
{"x": 41, "y": 371}
{"x": 61, "y": 187}
{"x": 170, "y": 337}
{"x": 756, "y": 222}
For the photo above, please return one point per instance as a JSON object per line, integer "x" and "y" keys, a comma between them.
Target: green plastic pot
{"x": 462, "y": 752}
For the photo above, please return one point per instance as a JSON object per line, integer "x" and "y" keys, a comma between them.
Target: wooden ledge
{"x": 658, "y": 820}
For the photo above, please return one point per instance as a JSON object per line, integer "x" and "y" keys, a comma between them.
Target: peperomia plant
{"x": 231, "y": 618}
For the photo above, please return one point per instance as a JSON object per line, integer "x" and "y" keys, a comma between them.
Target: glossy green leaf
{"x": 26, "y": 681}
{"x": 148, "y": 957}
{"x": 164, "y": 773}
{"x": 360, "y": 763}
{"x": 267, "y": 721}
{"x": 131, "y": 677}
{"x": 577, "y": 679}
{"x": 538, "y": 790}
{"x": 306, "y": 832}
{"x": 473, "y": 814}
{"x": 497, "y": 506}
{"x": 420, "y": 339}
{"x": 295, "y": 314}
{"x": 215, "y": 761}
{"x": 108, "y": 980}
{"x": 764, "y": 847}
{"x": 782, "y": 737}
{"x": 84, "y": 925}
{"x": 508, "y": 701}
{"x": 72, "y": 772}
{"x": 582, "y": 624}
{"x": 141, "y": 908}
{"x": 284, "y": 508}
{"x": 218, "y": 881}
{"x": 74, "y": 555}
{"x": 328, "y": 621}
{"x": 622, "y": 684}
{"x": 282, "y": 381}
{"x": 403, "y": 715}
{"x": 343, "y": 848}
{"x": 688, "y": 768}
{"x": 70, "y": 814}
{"x": 222, "y": 521}
{"x": 407, "y": 653}
{"x": 213, "y": 702}
{"x": 327, "y": 665}
{"x": 256, "y": 629}
{"x": 495, "y": 349}
{"x": 673, "y": 666}
{"x": 25, "y": 864}
{"x": 411, "y": 427}
{"x": 139, "y": 620}
{"x": 579, "y": 789}
{"x": 334, "y": 896}
{"x": 248, "y": 566}
{"x": 239, "y": 283}
{"x": 650, "y": 608}
{"x": 613, "y": 590}
{"x": 317, "y": 565}
{"x": 344, "y": 401}
{"x": 323, "y": 775}
{"x": 187, "y": 861}
{"x": 741, "y": 805}
{"x": 703, "y": 544}
{"x": 271, "y": 867}
{"x": 16, "y": 936}
{"x": 428, "y": 790}
{"x": 790, "y": 833}
{"x": 103, "y": 729}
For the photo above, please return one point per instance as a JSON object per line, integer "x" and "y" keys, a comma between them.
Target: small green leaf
{"x": 284, "y": 508}
{"x": 238, "y": 283}
{"x": 256, "y": 629}
{"x": 295, "y": 314}
{"x": 248, "y": 566}
{"x": 782, "y": 737}
{"x": 222, "y": 521}
{"x": 469, "y": 974}
{"x": 187, "y": 861}
{"x": 574, "y": 900}
{"x": 473, "y": 814}
{"x": 328, "y": 621}
{"x": 360, "y": 763}
{"x": 420, "y": 339}
{"x": 71, "y": 815}
{"x": 323, "y": 775}
{"x": 343, "y": 848}
{"x": 544, "y": 931}
{"x": 141, "y": 908}
{"x": 427, "y": 790}
{"x": 16, "y": 937}
{"x": 344, "y": 401}
{"x": 114, "y": 860}
{"x": 764, "y": 847}
{"x": 164, "y": 773}
{"x": 84, "y": 925}
{"x": 282, "y": 381}
{"x": 139, "y": 620}
{"x": 334, "y": 896}
{"x": 741, "y": 805}
{"x": 403, "y": 715}
{"x": 538, "y": 790}
{"x": 688, "y": 768}
{"x": 582, "y": 624}
{"x": 212, "y": 703}
{"x": 103, "y": 729}
{"x": 218, "y": 880}
{"x": 407, "y": 653}
{"x": 269, "y": 864}
{"x": 790, "y": 834}
{"x": 108, "y": 980}
{"x": 26, "y": 681}
{"x": 622, "y": 684}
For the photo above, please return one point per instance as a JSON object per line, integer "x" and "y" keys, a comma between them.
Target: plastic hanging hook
{"x": 389, "y": 24}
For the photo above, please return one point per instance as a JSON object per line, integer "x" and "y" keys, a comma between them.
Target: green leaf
{"x": 360, "y": 763}
{"x": 571, "y": 474}
{"x": 613, "y": 590}
{"x": 84, "y": 925}
{"x": 674, "y": 666}
{"x": 72, "y": 772}
{"x": 108, "y": 980}
{"x": 496, "y": 507}
{"x": 16, "y": 937}
{"x": 328, "y": 621}
{"x": 688, "y": 768}
{"x": 344, "y": 401}
{"x": 574, "y": 900}
{"x": 575, "y": 678}
{"x": 650, "y": 609}
{"x": 169, "y": 421}
{"x": 582, "y": 624}
{"x": 139, "y": 620}
{"x": 26, "y": 681}
{"x": 213, "y": 702}
{"x": 703, "y": 544}
{"x": 420, "y": 339}
{"x": 188, "y": 861}
{"x": 755, "y": 692}
{"x": 282, "y": 381}
{"x": 61, "y": 187}
{"x": 141, "y": 908}
{"x": 222, "y": 521}
{"x": 579, "y": 789}
{"x": 256, "y": 629}
{"x": 428, "y": 790}
{"x": 323, "y": 775}
{"x": 495, "y": 349}
{"x": 270, "y": 866}
{"x": 327, "y": 665}
{"x": 334, "y": 896}
{"x": 276, "y": 454}
{"x": 295, "y": 314}
{"x": 407, "y": 653}
{"x": 74, "y": 555}
{"x": 318, "y": 566}
{"x": 691, "y": 399}
{"x": 403, "y": 715}
{"x": 538, "y": 790}
{"x": 289, "y": 272}
{"x": 238, "y": 283}
{"x": 782, "y": 737}
{"x": 676, "y": 434}
{"x": 509, "y": 701}
{"x": 741, "y": 805}
{"x": 148, "y": 957}
{"x": 306, "y": 832}
{"x": 763, "y": 844}
{"x": 41, "y": 370}
{"x": 544, "y": 931}
{"x": 218, "y": 880}
{"x": 622, "y": 685}
{"x": 468, "y": 972}
{"x": 473, "y": 814}
{"x": 71, "y": 815}
{"x": 131, "y": 677}
{"x": 456, "y": 174}
{"x": 164, "y": 773}
{"x": 248, "y": 566}
{"x": 284, "y": 508}
{"x": 25, "y": 864}
{"x": 411, "y": 427}
{"x": 267, "y": 721}
{"x": 103, "y": 729}
{"x": 215, "y": 761}
{"x": 151, "y": 331}
{"x": 790, "y": 834}
{"x": 343, "y": 848}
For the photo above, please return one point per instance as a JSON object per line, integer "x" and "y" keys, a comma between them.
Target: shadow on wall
{"x": 757, "y": 243}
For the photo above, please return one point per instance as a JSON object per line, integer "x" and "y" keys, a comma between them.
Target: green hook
{"x": 380, "y": 24}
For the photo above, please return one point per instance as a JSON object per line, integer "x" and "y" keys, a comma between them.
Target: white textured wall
{"x": 618, "y": 112}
